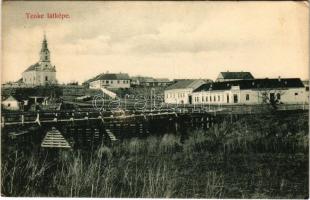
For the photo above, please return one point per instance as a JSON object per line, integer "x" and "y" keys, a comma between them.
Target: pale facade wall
{"x": 39, "y": 77}
{"x": 110, "y": 84}
{"x": 287, "y": 96}
{"x": 10, "y": 104}
{"x": 94, "y": 84}
{"x": 178, "y": 96}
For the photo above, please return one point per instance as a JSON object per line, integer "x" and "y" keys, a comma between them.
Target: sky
{"x": 159, "y": 39}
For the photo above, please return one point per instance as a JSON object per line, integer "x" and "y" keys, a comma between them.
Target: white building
{"x": 181, "y": 91}
{"x": 110, "y": 81}
{"x": 256, "y": 91}
{"x": 233, "y": 76}
{"x": 42, "y": 72}
{"x": 14, "y": 103}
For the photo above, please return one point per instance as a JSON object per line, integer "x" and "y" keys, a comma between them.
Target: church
{"x": 42, "y": 72}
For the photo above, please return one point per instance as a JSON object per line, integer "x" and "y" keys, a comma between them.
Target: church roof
{"x": 36, "y": 67}
{"x": 33, "y": 67}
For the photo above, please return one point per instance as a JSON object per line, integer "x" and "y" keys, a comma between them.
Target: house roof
{"x": 140, "y": 78}
{"x": 36, "y": 67}
{"x": 103, "y": 76}
{"x": 183, "y": 84}
{"x": 156, "y": 80}
{"x": 162, "y": 80}
{"x": 15, "y": 97}
{"x": 253, "y": 84}
{"x": 236, "y": 75}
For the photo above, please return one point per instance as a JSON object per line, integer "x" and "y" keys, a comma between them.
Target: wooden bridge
{"x": 88, "y": 128}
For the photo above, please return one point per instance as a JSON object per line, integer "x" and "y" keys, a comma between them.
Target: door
{"x": 235, "y": 98}
{"x": 190, "y": 99}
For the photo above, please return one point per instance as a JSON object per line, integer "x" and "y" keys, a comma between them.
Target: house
{"x": 150, "y": 82}
{"x": 42, "y": 72}
{"x": 232, "y": 76}
{"x": 14, "y": 103}
{"x": 256, "y": 91}
{"x": 110, "y": 81}
{"x": 138, "y": 80}
{"x": 181, "y": 91}
{"x": 155, "y": 82}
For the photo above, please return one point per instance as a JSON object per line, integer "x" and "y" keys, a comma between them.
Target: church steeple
{"x": 44, "y": 53}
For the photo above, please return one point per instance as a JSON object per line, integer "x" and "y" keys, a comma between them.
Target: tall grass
{"x": 228, "y": 160}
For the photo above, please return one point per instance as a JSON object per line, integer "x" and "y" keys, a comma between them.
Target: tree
{"x": 271, "y": 97}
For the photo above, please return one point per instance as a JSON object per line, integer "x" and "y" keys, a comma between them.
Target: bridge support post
{"x": 23, "y": 119}
{"x": 176, "y": 126}
{"x": 2, "y": 121}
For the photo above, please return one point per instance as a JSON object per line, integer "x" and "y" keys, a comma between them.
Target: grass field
{"x": 256, "y": 157}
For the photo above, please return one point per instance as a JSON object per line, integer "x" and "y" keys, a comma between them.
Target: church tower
{"x": 45, "y": 54}
{"x": 42, "y": 72}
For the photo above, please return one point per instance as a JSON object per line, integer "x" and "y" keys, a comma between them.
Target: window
{"x": 227, "y": 97}
{"x": 247, "y": 97}
{"x": 203, "y": 99}
{"x": 207, "y": 97}
{"x": 296, "y": 93}
{"x": 272, "y": 97}
{"x": 214, "y": 99}
{"x": 9, "y": 104}
{"x": 46, "y": 78}
{"x": 218, "y": 97}
{"x": 45, "y": 57}
{"x": 124, "y": 82}
{"x": 106, "y": 81}
{"x": 278, "y": 96}
{"x": 210, "y": 98}
{"x": 111, "y": 82}
{"x": 118, "y": 81}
